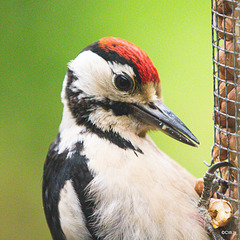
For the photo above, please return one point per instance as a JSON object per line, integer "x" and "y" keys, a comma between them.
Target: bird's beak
{"x": 160, "y": 117}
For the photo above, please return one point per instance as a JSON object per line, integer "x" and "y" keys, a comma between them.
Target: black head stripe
{"x": 71, "y": 77}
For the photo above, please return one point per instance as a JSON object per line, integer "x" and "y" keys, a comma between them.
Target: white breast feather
{"x": 141, "y": 197}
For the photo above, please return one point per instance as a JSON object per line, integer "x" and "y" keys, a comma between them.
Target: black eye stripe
{"x": 123, "y": 82}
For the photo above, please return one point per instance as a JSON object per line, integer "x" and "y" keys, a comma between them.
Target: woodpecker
{"x": 103, "y": 177}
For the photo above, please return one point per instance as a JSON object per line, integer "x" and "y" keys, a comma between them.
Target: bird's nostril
{"x": 152, "y": 105}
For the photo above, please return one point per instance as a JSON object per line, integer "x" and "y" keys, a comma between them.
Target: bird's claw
{"x": 203, "y": 204}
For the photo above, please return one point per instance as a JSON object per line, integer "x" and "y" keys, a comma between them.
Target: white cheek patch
{"x": 93, "y": 73}
{"x": 75, "y": 86}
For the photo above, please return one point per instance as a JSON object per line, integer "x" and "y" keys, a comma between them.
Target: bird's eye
{"x": 123, "y": 83}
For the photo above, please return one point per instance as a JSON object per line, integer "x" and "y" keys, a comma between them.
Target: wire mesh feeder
{"x": 226, "y": 78}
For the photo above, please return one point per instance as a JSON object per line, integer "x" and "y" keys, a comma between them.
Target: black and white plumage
{"x": 103, "y": 177}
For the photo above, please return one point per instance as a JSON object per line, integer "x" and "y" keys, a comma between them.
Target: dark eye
{"x": 123, "y": 83}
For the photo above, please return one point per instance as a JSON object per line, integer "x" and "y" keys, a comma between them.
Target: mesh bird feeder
{"x": 226, "y": 116}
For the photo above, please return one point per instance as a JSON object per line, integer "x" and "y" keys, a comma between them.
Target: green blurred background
{"x": 37, "y": 40}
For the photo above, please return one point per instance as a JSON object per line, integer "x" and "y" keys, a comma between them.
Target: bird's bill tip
{"x": 160, "y": 117}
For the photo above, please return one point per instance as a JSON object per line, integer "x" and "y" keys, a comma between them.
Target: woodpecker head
{"x": 112, "y": 85}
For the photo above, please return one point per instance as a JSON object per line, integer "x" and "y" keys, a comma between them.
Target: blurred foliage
{"x": 38, "y": 38}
